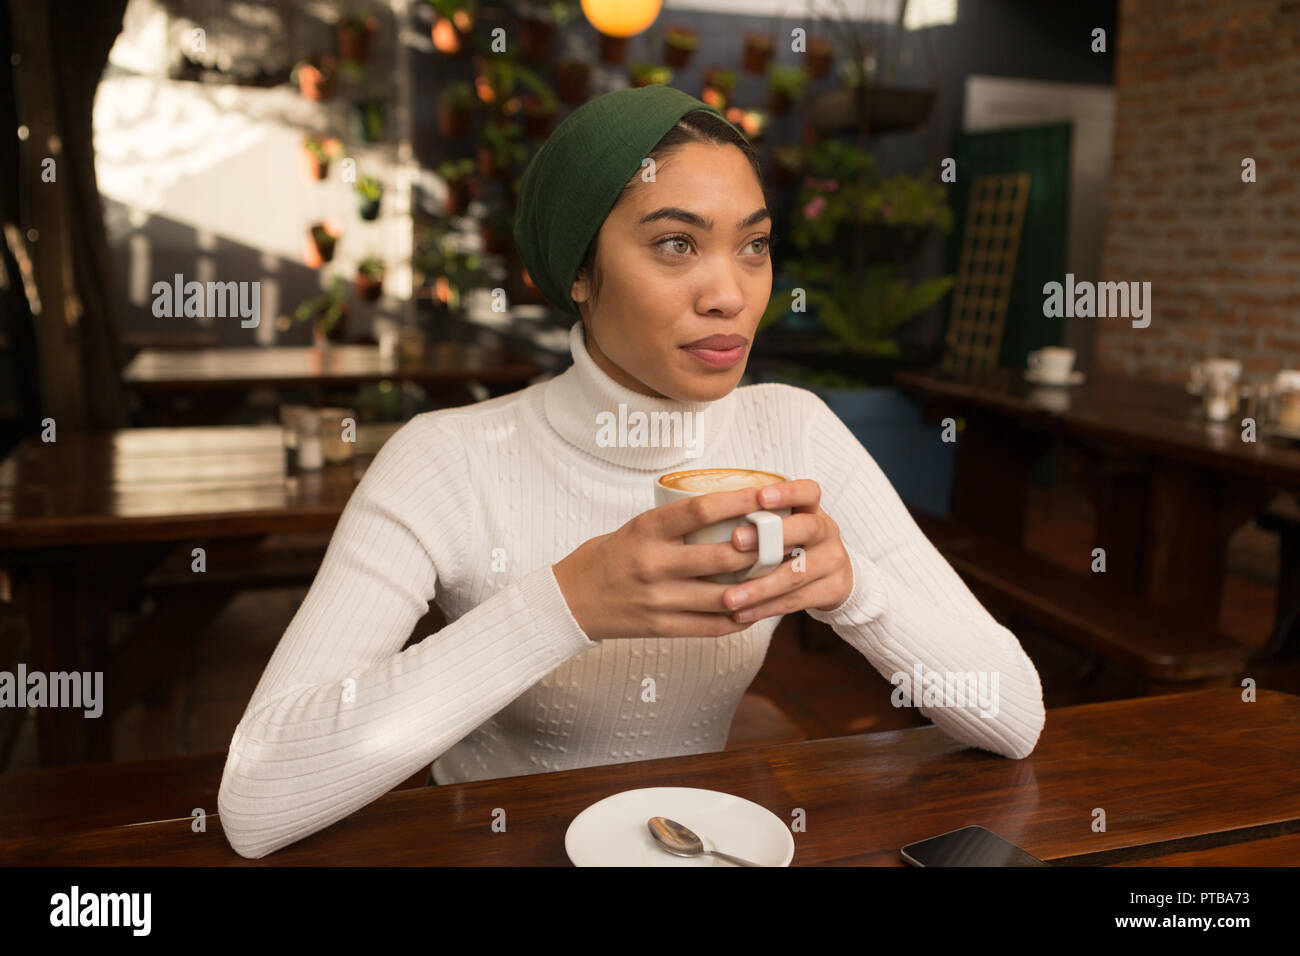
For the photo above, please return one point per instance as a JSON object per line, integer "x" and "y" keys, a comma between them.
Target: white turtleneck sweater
{"x": 470, "y": 507}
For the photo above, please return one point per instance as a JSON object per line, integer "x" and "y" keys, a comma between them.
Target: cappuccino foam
{"x": 707, "y": 480}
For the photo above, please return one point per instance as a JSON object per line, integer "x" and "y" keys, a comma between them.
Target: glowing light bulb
{"x": 621, "y": 18}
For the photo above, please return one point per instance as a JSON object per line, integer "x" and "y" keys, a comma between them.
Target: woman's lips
{"x": 717, "y": 358}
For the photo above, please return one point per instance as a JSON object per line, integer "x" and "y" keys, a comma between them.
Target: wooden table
{"x": 218, "y": 378}
{"x": 1170, "y": 488}
{"x": 83, "y": 520}
{"x": 1198, "y": 778}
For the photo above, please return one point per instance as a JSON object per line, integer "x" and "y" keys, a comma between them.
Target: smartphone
{"x": 969, "y": 846}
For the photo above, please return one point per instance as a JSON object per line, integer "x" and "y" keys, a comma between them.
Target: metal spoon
{"x": 682, "y": 841}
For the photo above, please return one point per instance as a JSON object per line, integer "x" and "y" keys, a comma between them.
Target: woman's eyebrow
{"x": 694, "y": 219}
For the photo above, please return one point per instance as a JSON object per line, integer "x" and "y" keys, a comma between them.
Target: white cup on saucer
{"x": 1052, "y": 364}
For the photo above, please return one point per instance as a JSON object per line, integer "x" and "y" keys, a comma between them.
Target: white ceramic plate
{"x": 1076, "y": 377}
{"x": 614, "y": 831}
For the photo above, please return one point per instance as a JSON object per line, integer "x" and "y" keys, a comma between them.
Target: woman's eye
{"x": 685, "y": 242}
{"x": 767, "y": 243}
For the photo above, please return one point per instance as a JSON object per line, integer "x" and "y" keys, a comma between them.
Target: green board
{"x": 1044, "y": 153}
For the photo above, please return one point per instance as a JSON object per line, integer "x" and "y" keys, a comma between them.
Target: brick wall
{"x": 1200, "y": 86}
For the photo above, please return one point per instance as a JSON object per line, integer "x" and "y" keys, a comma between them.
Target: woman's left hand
{"x": 820, "y": 578}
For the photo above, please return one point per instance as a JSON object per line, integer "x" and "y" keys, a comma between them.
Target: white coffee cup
{"x": 1053, "y": 363}
{"x": 692, "y": 482}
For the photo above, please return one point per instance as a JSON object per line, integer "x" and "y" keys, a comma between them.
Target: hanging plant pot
{"x": 535, "y": 40}
{"x": 487, "y": 161}
{"x": 537, "y": 117}
{"x": 369, "y": 120}
{"x": 315, "y": 77}
{"x": 758, "y": 49}
{"x": 314, "y": 157}
{"x": 572, "y": 79}
{"x": 718, "y": 84}
{"x": 370, "y": 284}
{"x": 889, "y": 108}
{"x": 370, "y": 193}
{"x": 821, "y": 54}
{"x": 322, "y": 237}
{"x": 779, "y": 102}
{"x": 613, "y": 50}
{"x": 785, "y": 168}
{"x": 679, "y": 44}
{"x": 355, "y": 34}
{"x": 497, "y": 241}
{"x": 453, "y": 121}
{"x": 450, "y": 37}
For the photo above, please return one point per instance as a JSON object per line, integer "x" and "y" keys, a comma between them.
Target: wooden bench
{"x": 1117, "y": 628}
{"x": 101, "y": 795}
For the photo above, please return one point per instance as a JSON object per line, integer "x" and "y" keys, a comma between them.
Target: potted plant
{"x": 853, "y": 372}
{"x": 758, "y": 49}
{"x": 322, "y": 237}
{"x": 370, "y": 278}
{"x": 370, "y": 191}
{"x": 753, "y": 123}
{"x": 356, "y": 30}
{"x": 538, "y": 114}
{"x": 718, "y": 84}
{"x": 679, "y": 44}
{"x": 787, "y": 84}
{"x": 646, "y": 74}
{"x": 327, "y": 313}
{"x": 845, "y": 200}
{"x": 495, "y": 230}
{"x": 613, "y": 50}
{"x": 499, "y": 150}
{"x": 500, "y": 77}
{"x": 368, "y": 119}
{"x": 315, "y": 156}
{"x": 315, "y": 77}
{"x": 537, "y": 30}
{"x": 452, "y": 25}
{"x": 454, "y": 110}
{"x": 461, "y": 185}
{"x": 446, "y": 269}
{"x": 572, "y": 78}
{"x": 787, "y": 160}
{"x": 820, "y": 55}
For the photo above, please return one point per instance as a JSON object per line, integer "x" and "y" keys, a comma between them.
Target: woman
{"x": 563, "y": 585}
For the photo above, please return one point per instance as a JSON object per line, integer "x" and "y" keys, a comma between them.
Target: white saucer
{"x": 1076, "y": 378}
{"x": 614, "y": 831}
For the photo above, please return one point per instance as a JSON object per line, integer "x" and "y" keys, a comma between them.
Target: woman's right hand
{"x": 643, "y": 581}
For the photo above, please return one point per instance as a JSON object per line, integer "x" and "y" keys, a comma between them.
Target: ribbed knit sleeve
{"x": 341, "y": 715}
{"x": 909, "y": 611}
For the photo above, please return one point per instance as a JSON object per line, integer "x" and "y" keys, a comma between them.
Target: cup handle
{"x": 771, "y": 542}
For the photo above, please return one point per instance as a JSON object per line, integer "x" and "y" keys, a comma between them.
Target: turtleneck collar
{"x": 610, "y": 421}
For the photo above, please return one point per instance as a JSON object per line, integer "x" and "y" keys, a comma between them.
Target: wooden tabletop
{"x": 1201, "y": 776}
{"x": 1147, "y": 417}
{"x": 160, "y": 484}
{"x": 160, "y": 370}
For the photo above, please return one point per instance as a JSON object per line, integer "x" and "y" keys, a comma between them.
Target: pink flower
{"x": 832, "y": 185}
{"x": 814, "y": 207}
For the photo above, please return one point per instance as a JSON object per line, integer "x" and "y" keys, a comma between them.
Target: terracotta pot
{"x": 613, "y": 50}
{"x": 453, "y": 122}
{"x": 572, "y": 79}
{"x": 313, "y": 169}
{"x": 756, "y": 56}
{"x": 319, "y": 252}
{"x": 316, "y": 81}
{"x": 459, "y": 193}
{"x": 676, "y": 56}
{"x": 495, "y": 242}
{"x": 535, "y": 40}
{"x": 354, "y": 44}
{"x": 447, "y": 39}
{"x": 368, "y": 289}
{"x": 487, "y": 161}
{"x": 779, "y": 102}
{"x": 537, "y": 125}
{"x": 820, "y": 56}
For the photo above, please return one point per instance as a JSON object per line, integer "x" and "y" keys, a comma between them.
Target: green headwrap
{"x": 576, "y": 177}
